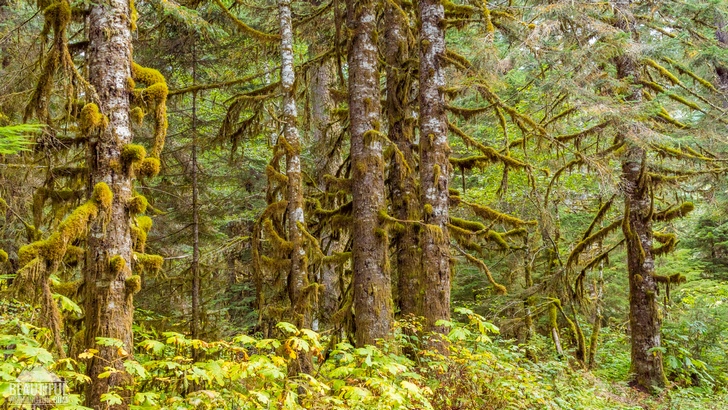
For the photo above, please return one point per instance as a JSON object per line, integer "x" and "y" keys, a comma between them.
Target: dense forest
{"x": 365, "y": 204}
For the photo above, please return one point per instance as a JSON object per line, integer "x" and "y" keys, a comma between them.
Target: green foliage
{"x": 14, "y": 138}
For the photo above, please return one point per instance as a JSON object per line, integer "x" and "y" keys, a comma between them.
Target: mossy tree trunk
{"x": 324, "y": 133}
{"x": 108, "y": 302}
{"x": 298, "y": 283}
{"x": 644, "y": 317}
{"x": 402, "y": 182}
{"x": 434, "y": 165}
{"x": 372, "y": 288}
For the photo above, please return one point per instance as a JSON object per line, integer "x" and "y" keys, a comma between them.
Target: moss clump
{"x": 3, "y": 256}
{"x": 137, "y": 115}
{"x": 138, "y": 204}
{"x": 144, "y": 223}
{"x": 155, "y": 93}
{"x": 149, "y": 167}
{"x": 116, "y": 264}
{"x": 3, "y": 206}
{"x": 91, "y": 119}
{"x": 102, "y": 195}
{"x": 146, "y": 75}
{"x": 133, "y": 154}
{"x": 465, "y": 224}
{"x": 147, "y": 263}
{"x": 133, "y": 284}
{"x": 671, "y": 214}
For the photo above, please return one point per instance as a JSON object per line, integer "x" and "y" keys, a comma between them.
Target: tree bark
{"x": 644, "y": 316}
{"x": 405, "y": 199}
{"x": 324, "y": 133}
{"x": 108, "y": 302}
{"x": 195, "y": 265}
{"x": 298, "y": 283}
{"x": 372, "y": 287}
{"x": 434, "y": 166}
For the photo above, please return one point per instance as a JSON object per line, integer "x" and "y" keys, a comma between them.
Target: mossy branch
{"x": 597, "y": 236}
{"x": 500, "y": 289}
{"x": 256, "y": 34}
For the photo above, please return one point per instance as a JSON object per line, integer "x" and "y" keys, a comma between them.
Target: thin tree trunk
{"x": 405, "y": 200}
{"x": 324, "y": 133}
{"x": 109, "y": 308}
{"x": 434, "y": 166}
{"x": 372, "y": 287}
{"x": 195, "y": 265}
{"x": 722, "y": 71}
{"x": 298, "y": 283}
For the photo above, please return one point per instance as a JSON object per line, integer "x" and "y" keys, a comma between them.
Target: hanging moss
{"x": 672, "y": 213}
{"x": 683, "y": 70}
{"x": 149, "y": 167}
{"x": 278, "y": 243}
{"x": 144, "y": 223}
{"x": 156, "y": 93}
{"x": 665, "y": 116}
{"x": 138, "y": 204}
{"x": 133, "y": 154}
{"x": 674, "y": 278}
{"x": 3, "y": 206}
{"x": 490, "y": 155}
{"x": 277, "y": 176}
{"x": 597, "y": 236}
{"x": 498, "y": 239}
{"x": 453, "y": 10}
{"x": 133, "y": 16}
{"x": 337, "y": 258}
{"x": 117, "y": 264}
{"x": 58, "y": 14}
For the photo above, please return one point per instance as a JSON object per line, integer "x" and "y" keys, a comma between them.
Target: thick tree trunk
{"x": 405, "y": 199}
{"x": 109, "y": 307}
{"x": 298, "y": 283}
{"x": 644, "y": 317}
{"x": 434, "y": 165}
{"x": 372, "y": 287}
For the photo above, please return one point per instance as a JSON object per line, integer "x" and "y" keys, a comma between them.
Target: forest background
{"x": 250, "y": 180}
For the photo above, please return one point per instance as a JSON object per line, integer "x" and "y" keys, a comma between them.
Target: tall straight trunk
{"x": 405, "y": 200}
{"x": 298, "y": 276}
{"x": 195, "y": 265}
{"x": 434, "y": 165}
{"x": 109, "y": 308}
{"x": 372, "y": 287}
{"x": 324, "y": 133}
{"x": 644, "y": 317}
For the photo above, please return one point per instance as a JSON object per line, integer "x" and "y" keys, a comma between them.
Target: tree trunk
{"x": 108, "y": 302}
{"x": 434, "y": 166}
{"x": 298, "y": 283}
{"x": 722, "y": 71}
{"x": 405, "y": 200}
{"x": 195, "y": 265}
{"x": 644, "y": 317}
{"x": 372, "y": 287}
{"x": 324, "y": 134}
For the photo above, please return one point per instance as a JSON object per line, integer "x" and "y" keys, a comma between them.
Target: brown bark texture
{"x": 372, "y": 288}
{"x": 434, "y": 166}
{"x": 109, "y": 309}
